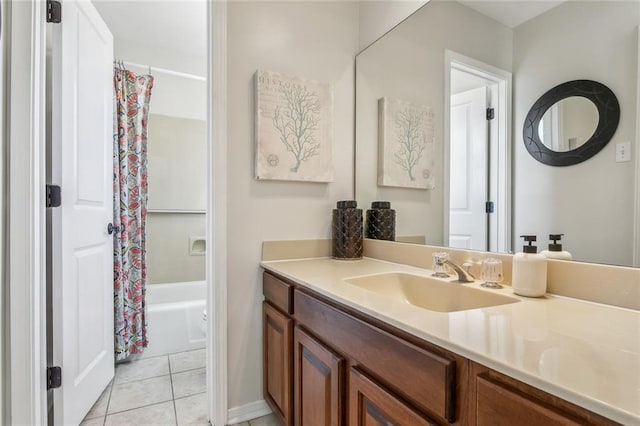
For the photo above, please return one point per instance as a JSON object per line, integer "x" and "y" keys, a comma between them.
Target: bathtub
{"x": 174, "y": 315}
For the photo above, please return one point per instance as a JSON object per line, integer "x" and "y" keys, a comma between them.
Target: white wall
{"x": 317, "y": 40}
{"x": 591, "y": 202}
{"x": 171, "y": 95}
{"x": 409, "y": 64}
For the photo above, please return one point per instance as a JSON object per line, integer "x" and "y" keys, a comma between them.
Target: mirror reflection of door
{"x": 468, "y": 167}
{"x": 477, "y": 154}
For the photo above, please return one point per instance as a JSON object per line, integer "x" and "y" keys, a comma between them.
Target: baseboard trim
{"x": 248, "y": 412}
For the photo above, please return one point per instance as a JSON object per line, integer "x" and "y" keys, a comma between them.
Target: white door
{"x": 82, "y": 250}
{"x": 468, "y": 170}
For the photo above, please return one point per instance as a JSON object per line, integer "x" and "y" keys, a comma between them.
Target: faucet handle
{"x": 440, "y": 267}
{"x": 491, "y": 273}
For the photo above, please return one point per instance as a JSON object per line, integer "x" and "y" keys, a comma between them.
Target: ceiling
{"x": 181, "y": 24}
{"x": 173, "y": 24}
{"x": 511, "y": 13}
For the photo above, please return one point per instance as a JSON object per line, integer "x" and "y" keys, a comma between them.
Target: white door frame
{"x": 636, "y": 225}
{"x": 4, "y": 293}
{"x": 216, "y": 234}
{"x": 26, "y": 238}
{"x": 26, "y": 213}
{"x": 503, "y": 79}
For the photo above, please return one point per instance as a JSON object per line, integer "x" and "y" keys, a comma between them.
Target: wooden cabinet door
{"x": 371, "y": 405}
{"x": 277, "y": 331}
{"x": 319, "y": 382}
{"x": 498, "y": 405}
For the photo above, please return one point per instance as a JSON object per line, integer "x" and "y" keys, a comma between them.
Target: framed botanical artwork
{"x": 405, "y": 144}
{"x": 293, "y": 128}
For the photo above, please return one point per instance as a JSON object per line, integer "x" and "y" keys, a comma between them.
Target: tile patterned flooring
{"x": 160, "y": 391}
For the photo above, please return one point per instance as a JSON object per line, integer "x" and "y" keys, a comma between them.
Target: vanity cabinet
{"x": 328, "y": 364}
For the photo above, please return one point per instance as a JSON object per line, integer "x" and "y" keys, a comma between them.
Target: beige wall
{"x": 177, "y": 181}
{"x": 378, "y": 17}
{"x": 591, "y": 202}
{"x": 316, "y": 40}
{"x": 168, "y": 257}
{"x": 177, "y": 155}
{"x": 409, "y": 64}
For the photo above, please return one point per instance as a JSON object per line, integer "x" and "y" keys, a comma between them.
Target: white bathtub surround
{"x": 150, "y": 391}
{"x": 175, "y": 319}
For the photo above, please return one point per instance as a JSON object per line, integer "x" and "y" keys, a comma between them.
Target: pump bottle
{"x": 555, "y": 249}
{"x": 529, "y": 275}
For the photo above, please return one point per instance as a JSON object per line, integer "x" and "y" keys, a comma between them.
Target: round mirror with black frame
{"x": 608, "y": 116}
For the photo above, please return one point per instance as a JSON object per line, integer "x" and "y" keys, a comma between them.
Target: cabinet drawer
{"x": 278, "y": 292}
{"x": 497, "y": 404}
{"x": 425, "y": 379}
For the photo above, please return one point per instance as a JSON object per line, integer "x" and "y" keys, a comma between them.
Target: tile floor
{"x": 269, "y": 420}
{"x": 160, "y": 391}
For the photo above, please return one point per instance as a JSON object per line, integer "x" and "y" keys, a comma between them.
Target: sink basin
{"x": 429, "y": 293}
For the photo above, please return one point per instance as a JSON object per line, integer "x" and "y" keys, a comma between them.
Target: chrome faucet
{"x": 464, "y": 276}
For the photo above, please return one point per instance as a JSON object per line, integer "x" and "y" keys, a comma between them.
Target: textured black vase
{"x": 381, "y": 221}
{"x": 347, "y": 230}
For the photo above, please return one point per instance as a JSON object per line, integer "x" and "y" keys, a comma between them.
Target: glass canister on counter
{"x": 381, "y": 221}
{"x": 347, "y": 230}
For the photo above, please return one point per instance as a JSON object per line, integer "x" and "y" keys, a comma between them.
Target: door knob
{"x": 112, "y": 229}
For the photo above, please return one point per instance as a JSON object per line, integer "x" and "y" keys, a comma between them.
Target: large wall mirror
{"x": 461, "y": 62}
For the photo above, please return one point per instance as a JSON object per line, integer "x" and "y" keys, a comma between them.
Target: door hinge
{"x": 489, "y": 207}
{"x": 54, "y": 11}
{"x": 54, "y": 377}
{"x": 54, "y": 197}
{"x": 491, "y": 113}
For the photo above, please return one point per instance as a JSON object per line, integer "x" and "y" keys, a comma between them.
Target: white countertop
{"x": 583, "y": 352}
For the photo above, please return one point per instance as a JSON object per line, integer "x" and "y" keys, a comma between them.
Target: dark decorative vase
{"x": 347, "y": 230}
{"x": 381, "y": 221}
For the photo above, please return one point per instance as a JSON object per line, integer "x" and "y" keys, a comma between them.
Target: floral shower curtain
{"x": 132, "y": 94}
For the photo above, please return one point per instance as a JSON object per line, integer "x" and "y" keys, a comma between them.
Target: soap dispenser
{"x": 555, "y": 249}
{"x": 529, "y": 274}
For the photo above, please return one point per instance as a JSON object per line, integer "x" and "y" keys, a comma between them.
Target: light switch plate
{"x": 623, "y": 152}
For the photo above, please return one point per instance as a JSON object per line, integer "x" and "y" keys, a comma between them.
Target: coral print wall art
{"x": 406, "y": 139}
{"x": 293, "y": 128}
